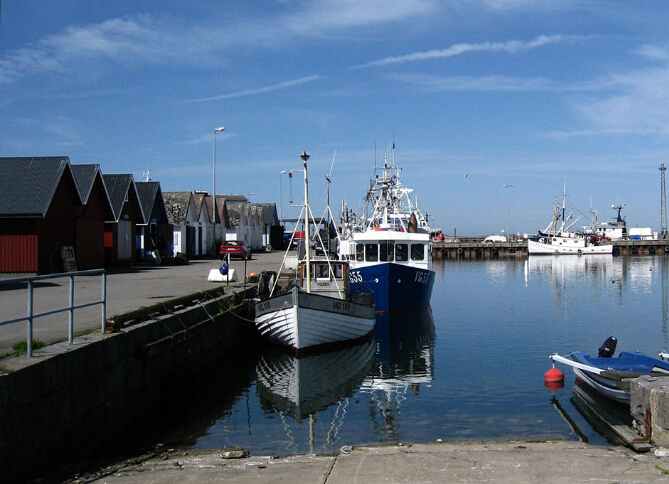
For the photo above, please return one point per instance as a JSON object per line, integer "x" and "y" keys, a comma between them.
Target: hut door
{"x": 124, "y": 239}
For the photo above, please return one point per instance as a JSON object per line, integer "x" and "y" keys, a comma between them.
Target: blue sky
{"x": 534, "y": 94}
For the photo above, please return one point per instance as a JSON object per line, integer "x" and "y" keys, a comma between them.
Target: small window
{"x": 386, "y": 249}
{"x": 417, "y": 251}
{"x": 401, "y": 252}
{"x": 371, "y": 252}
{"x": 359, "y": 252}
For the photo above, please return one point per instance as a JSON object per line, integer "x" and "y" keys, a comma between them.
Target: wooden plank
{"x": 624, "y": 432}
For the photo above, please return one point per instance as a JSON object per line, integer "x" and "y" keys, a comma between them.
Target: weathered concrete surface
{"x": 128, "y": 289}
{"x": 496, "y": 462}
{"x": 649, "y": 393}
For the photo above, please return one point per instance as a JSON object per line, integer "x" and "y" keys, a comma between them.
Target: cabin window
{"x": 386, "y": 251}
{"x": 359, "y": 252}
{"x": 321, "y": 271}
{"x": 417, "y": 251}
{"x": 401, "y": 252}
{"x": 338, "y": 271}
{"x": 371, "y": 252}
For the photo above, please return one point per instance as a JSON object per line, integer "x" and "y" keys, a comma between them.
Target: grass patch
{"x": 663, "y": 471}
{"x": 86, "y": 331}
{"x": 21, "y": 348}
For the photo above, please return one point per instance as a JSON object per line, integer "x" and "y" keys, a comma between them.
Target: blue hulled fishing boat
{"x": 390, "y": 251}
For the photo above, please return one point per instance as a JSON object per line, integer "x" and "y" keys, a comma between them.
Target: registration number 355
{"x": 354, "y": 276}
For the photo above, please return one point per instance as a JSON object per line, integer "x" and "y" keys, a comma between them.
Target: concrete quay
{"x": 453, "y": 462}
{"x": 128, "y": 288}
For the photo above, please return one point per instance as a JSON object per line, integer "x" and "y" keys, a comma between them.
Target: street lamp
{"x": 281, "y": 197}
{"x": 216, "y": 130}
{"x": 508, "y": 213}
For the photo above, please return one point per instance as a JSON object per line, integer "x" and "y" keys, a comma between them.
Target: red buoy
{"x": 554, "y": 375}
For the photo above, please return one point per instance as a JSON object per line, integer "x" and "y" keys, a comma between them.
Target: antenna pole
{"x": 305, "y": 157}
{"x": 663, "y": 200}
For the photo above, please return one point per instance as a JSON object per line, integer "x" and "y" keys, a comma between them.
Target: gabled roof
{"x": 198, "y": 204}
{"x": 221, "y": 213}
{"x": 149, "y": 194}
{"x": 176, "y": 204}
{"x": 222, "y": 206}
{"x": 84, "y": 177}
{"x": 269, "y": 214}
{"x": 118, "y": 187}
{"x": 27, "y": 185}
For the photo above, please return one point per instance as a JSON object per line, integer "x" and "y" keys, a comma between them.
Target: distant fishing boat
{"x": 557, "y": 239}
{"x": 316, "y": 310}
{"x": 389, "y": 251}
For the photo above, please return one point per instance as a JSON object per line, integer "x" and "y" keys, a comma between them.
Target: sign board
{"x": 69, "y": 261}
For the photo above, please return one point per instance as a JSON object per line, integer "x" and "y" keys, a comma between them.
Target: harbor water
{"x": 470, "y": 369}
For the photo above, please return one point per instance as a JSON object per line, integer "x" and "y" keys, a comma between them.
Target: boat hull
{"x": 539, "y": 248}
{"x": 614, "y": 374}
{"x": 396, "y": 288}
{"x": 301, "y": 320}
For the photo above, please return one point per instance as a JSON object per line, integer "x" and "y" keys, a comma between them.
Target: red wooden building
{"x": 39, "y": 205}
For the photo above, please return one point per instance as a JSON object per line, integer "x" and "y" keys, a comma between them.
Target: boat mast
{"x": 307, "y": 238}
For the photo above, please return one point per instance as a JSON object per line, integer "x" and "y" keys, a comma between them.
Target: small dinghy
{"x": 609, "y": 375}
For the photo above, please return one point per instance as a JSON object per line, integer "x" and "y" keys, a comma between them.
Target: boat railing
{"x": 31, "y": 315}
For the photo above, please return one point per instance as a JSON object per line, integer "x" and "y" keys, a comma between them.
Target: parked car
{"x": 491, "y": 239}
{"x": 235, "y": 248}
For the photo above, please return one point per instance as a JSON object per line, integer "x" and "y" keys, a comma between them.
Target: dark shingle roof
{"x": 27, "y": 185}
{"x": 147, "y": 192}
{"x": 118, "y": 187}
{"x": 84, "y": 177}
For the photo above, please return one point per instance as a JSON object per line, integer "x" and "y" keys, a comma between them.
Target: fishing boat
{"x": 390, "y": 250}
{"x": 557, "y": 239}
{"x": 315, "y": 309}
{"x": 610, "y": 376}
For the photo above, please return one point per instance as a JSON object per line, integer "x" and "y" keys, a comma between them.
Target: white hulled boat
{"x": 557, "y": 239}
{"x": 316, "y": 311}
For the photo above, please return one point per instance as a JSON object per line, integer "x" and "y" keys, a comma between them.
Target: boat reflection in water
{"x": 610, "y": 419}
{"x": 301, "y": 387}
{"x": 404, "y": 361}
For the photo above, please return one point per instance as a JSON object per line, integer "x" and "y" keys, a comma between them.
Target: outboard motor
{"x": 608, "y": 348}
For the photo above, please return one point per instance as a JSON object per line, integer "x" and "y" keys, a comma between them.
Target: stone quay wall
{"x": 70, "y": 400}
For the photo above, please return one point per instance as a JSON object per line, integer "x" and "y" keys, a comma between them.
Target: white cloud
{"x": 249, "y": 92}
{"x": 150, "y": 39}
{"x": 510, "y": 46}
{"x": 471, "y": 83}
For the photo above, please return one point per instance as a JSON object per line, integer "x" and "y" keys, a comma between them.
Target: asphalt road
{"x": 128, "y": 288}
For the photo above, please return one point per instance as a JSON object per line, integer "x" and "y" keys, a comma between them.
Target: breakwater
{"x": 475, "y": 248}
{"x": 70, "y": 401}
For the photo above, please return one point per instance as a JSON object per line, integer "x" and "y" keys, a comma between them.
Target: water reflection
{"x": 302, "y": 386}
{"x": 404, "y": 362}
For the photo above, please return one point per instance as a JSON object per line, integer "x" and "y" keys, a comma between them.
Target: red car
{"x": 236, "y": 248}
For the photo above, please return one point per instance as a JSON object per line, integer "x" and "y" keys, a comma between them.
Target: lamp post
{"x": 508, "y": 213}
{"x": 216, "y": 130}
{"x": 281, "y": 197}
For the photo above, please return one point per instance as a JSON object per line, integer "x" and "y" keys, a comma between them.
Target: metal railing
{"x": 31, "y": 316}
